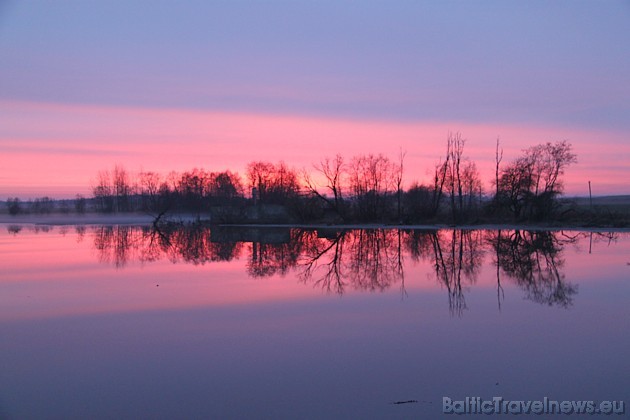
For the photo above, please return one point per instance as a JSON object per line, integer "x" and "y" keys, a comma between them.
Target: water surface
{"x": 129, "y": 322}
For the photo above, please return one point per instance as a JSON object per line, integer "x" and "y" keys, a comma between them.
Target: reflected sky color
{"x": 123, "y": 269}
{"x": 88, "y": 335}
{"x": 86, "y": 85}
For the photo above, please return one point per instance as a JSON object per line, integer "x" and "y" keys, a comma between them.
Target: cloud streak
{"x": 180, "y": 139}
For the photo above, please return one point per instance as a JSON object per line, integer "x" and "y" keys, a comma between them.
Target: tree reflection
{"x": 457, "y": 259}
{"x": 338, "y": 260}
{"x": 533, "y": 259}
{"x": 322, "y": 262}
{"x": 119, "y": 245}
{"x": 196, "y": 245}
{"x": 364, "y": 259}
{"x": 270, "y": 255}
{"x": 14, "y": 229}
{"x": 114, "y": 244}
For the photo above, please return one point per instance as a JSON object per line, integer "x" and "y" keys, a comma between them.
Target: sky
{"x": 163, "y": 85}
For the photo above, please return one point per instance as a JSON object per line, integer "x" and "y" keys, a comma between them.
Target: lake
{"x": 130, "y": 322}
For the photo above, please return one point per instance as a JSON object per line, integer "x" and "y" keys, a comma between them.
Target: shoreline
{"x": 135, "y": 219}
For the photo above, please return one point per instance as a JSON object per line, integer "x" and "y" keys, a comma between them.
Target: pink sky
{"x": 87, "y": 85}
{"x": 57, "y": 150}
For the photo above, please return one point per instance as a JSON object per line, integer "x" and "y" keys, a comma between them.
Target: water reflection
{"x": 457, "y": 256}
{"x": 369, "y": 260}
{"x": 534, "y": 261}
{"x": 120, "y": 245}
{"x": 338, "y": 260}
{"x": 362, "y": 259}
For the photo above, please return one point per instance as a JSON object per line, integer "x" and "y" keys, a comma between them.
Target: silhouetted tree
{"x": 472, "y": 189}
{"x": 103, "y": 193}
{"x": 372, "y": 180}
{"x": 80, "y": 204}
{"x": 192, "y": 189}
{"x": 462, "y": 179}
{"x": 149, "y": 190}
{"x": 399, "y": 180}
{"x": 332, "y": 171}
{"x": 225, "y": 187}
{"x": 14, "y": 206}
{"x": 42, "y": 205}
{"x": 440, "y": 175}
{"x": 418, "y": 203}
{"x": 260, "y": 176}
{"x": 284, "y": 185}
{"x": 498, "y": 157}
{"x": 533, "y": 181}
{"x": 122, "y": 188}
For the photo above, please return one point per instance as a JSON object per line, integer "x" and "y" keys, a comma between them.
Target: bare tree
{"x": 332, "y": 171}
{"x": 284, "y": 184}
{"x": 440, "y": 176}
{"x": 498, "y": 156}
{"x": 259, "y": 175}
{"x": 461, "y": 175}
{"x": 122, "y": 188}
{"x": 103, "y": 192}
{"x": 455, "y": 146}
{"x": 149, "y": 190}
{"x": 276, "y": 184}
{"x": 399, "y": 180}
{"x": 371, "y": 179}
{"x": 472, "y": 188}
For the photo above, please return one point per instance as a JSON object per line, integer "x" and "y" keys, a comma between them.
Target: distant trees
{"x": 419, "y": 203}
{"x": 364, "y": 188}
{"x": 274, "y": 183}
{"x": 192, "y": 189}
{"x": 103, "y": 193}
{"x": 14, "y": 206}
{"x": 456, "y": 178}
{"x": 149, "y": 189}
{"x": 226, "y": 186}
{"x": 423, "y": 202}
{"x": 196, "y": 190}
{"x": 122, "y": 189}
{"x": 529, "y": 185}
{"x": 371, "y": 180}
{"x": 462, "y": 180}
{"x": 42, "y": 205}
{"x": 80, "y": 204}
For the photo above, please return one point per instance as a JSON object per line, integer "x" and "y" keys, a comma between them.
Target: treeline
{"x": 46, "y": 205}
{"x": 364, "y": 188}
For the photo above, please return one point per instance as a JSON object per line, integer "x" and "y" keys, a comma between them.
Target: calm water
{"x": 125, "y": 322}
